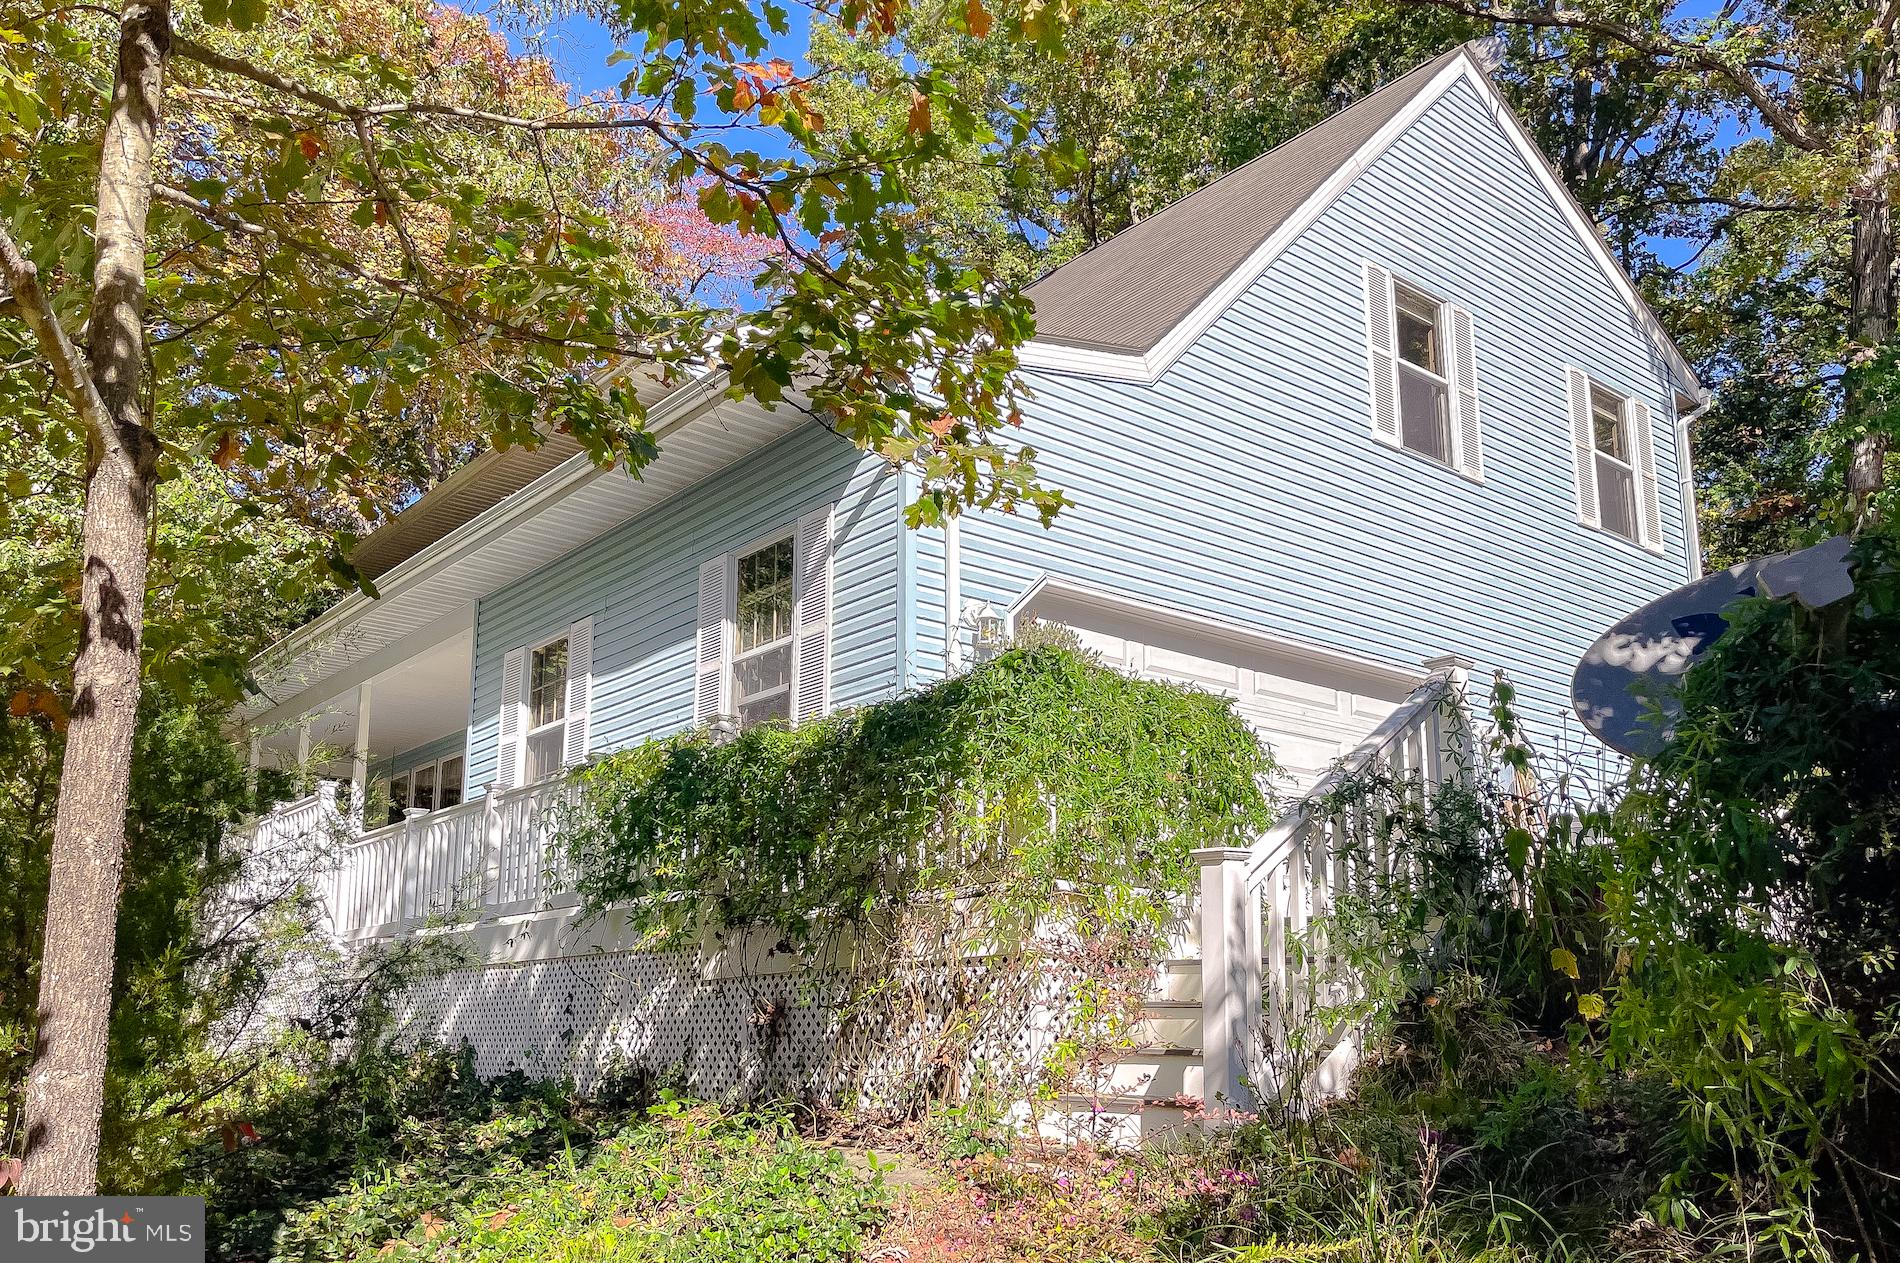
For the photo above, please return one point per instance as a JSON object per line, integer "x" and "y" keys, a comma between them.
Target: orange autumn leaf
{"x": 311, "y": 146}
{"x": 433, "y": 1225}
{"x": 976, "y": 18}
{"x": 622, "y": 1221}
{"x": 226, "y": 453}
{"x": 743, "y": 95}
{"x": 501, "y": 1217}
{"x": 919, "y": 112}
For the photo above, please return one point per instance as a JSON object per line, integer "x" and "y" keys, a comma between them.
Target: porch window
{"x": 1423, "y": 389}
{"x": 434, "y": 786}
{"x": 547, "y": 709}
{"x": 762, "y": 653}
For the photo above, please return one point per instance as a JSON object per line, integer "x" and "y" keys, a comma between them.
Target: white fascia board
{"x": 1269, "y": 644}
{"x": 1147, "y": 368}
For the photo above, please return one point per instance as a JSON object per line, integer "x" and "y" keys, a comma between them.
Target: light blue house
{"x": 1378, "y": 397}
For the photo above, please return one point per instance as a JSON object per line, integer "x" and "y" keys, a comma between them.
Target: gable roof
{"x": 1127, "y": 293}
{"x": 1130, "y": 306}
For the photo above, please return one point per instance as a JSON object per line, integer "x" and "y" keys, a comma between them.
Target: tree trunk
{"x": 1872, "y": 262}
{"x": 65, "y": 1092}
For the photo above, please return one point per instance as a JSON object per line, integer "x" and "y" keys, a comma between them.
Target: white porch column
{"x": 303, "y": 744}
{"x": 1232, "y": 1005}
{"x": 257, "y": 754}
{"x": 1452, "y": 736}
{"x": 359, "y": 761}
{"x": 952, "y": 596}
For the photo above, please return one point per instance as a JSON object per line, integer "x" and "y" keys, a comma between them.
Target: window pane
{"x": 765, "y": 595}
{"x": 547, "y": 694}
{"x": 1606, "y": 412}
{"x": 1616, "y": 497}
{"x": 422, "y": 788}
{"x": 1418, "y": 331}
{"x": 761, "y": 686}
{"x": 450, "y": 793}
{"x": 398, "y": 797}
{"x": 1422, "y": 414}
{"x": 544, "y": 754}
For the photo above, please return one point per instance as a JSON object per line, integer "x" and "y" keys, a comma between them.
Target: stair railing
{"x": 1259, "y": 902}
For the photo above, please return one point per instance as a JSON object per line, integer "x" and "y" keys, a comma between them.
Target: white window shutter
{"x": 1467, "y": 449}
{"x": 508, "y": 740}
{"x": 811, "y": 617}
{"x": 713, "y": 643}
{"x": 1382, "y": 354}
{"x": 1643, "y": 447}
{"x": 580, "y": 690}
{"x": 1583, "y": 446}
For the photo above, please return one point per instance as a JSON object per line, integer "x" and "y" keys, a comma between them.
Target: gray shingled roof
{"x": 1127, "y": 293}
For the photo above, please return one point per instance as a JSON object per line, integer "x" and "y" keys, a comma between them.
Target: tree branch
{"x": 69, "y": 369}
{"x": 458, "y": 312}
{"x": 1659, "y": 44}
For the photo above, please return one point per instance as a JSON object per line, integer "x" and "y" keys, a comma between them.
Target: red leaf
{"x": 311, "y": 146}
{"x": 226, "y": 453}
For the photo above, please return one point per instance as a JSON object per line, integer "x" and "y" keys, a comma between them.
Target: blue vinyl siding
{"x": 1246, "y": 484}
{"x": 640, "y": 584}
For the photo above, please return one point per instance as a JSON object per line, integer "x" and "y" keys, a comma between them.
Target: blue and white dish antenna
{"x": 1624, "y": 689}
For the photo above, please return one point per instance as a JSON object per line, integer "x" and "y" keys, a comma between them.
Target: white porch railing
{"x": 487, "y": 857}
{"x": 1258, "y": 902}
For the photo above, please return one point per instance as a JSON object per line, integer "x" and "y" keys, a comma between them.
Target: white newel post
{"x": 411, "y": 907}
{"x": 491, "y": 844}
{"x": 331, "y": 834}
{"x": 1449, "y": 739}
{"x": 1231, "y": 999}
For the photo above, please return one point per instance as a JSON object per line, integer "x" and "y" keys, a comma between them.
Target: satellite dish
{"x": 1636, "y": 665}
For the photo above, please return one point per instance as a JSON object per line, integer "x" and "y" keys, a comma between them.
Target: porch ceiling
{"x": 429, "y": 598}
{"x": 416, "y": 701}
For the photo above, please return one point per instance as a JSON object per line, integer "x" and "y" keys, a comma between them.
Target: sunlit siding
{"x": 640, "y": 584}
{"x": 1246, "y": 484}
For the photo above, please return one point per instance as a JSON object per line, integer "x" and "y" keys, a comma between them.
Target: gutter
{"x": 1685, "y": 475}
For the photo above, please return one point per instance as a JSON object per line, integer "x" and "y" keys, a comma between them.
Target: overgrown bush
{"x": 388, "y": 1154}
{"x": 1036, "y": 768}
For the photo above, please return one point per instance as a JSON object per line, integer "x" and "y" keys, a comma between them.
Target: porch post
{"x": 1451, "y": 739}
{"x": 1231, "y": 1000}
{"x": 359, "y": 762}
{"x": 303, "y": 745}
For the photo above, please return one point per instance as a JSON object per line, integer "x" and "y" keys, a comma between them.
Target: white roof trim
{"x": 673, "y": 411}
{"x": 1147, "y": 369}
{"x": 1249, "y": 639}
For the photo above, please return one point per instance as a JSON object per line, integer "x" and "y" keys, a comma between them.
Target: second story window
{"x": 762, "y": 650}
{"x": 1616, "y": 475}
{"x": 1422, "y": 365}
{"x": 1423, "y": 389}
{"x": 1615, "y": 455}
{"x": 547, "y": 709}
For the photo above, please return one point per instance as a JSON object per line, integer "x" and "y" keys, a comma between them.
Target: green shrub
{"x": 1034, "y": 769}
{"x": 408, "y": 1155}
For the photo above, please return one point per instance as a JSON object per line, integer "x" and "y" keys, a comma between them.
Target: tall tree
{"x": 295, "y": 240}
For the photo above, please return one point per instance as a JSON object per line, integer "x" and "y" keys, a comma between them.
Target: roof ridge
{"x": 1425, "y": 71}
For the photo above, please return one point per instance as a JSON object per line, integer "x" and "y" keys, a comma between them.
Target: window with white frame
{"x": 1615, "y": 472}
{"x": 543, "y": 721}
{"x": 434, "y": 786}
{"x": 763, "y": 646}
{"x": 547, "y": 710}
{"x": 762, "y": 630}
{"x": 1423, "y": 368}
{"x": 1615, "y": 461}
